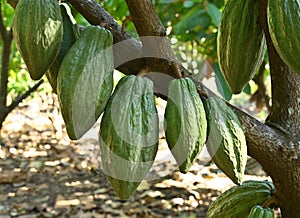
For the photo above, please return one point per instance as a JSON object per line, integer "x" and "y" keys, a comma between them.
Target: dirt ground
{"x": 44, "y": 174}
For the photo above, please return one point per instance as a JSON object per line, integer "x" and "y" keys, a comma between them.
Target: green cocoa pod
{"x": 69, "y": 37}
{"x": 241, "y": 43}
{"x": 186, "y": 124}
{"x": 237, "y": 201}
{"x": 38, "y": 32}
{"x": 129, "y": 134}
{"x": 226, "y": 141}
{"x": 284, "y": 28}
{"x": 260, "y": 212}
{"x": 85, "y": 80}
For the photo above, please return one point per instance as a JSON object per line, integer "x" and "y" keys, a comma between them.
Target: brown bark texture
{"x": 284, "y": 168}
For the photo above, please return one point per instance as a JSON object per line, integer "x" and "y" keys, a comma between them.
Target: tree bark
{"x": 284, "y": 168}
{"x": 132, "y": 49}
{"x": 6, "y": 37}
{"x": 147, "y": 23}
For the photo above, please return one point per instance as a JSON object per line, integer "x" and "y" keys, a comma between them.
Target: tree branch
{"x": 262, "y": 139}
{"x": 3, "y": 31}
{"x": 5, "y": 68}
{"x": 257, "y": 133}
{"x": 285, "y": 110}
{"x": 19, "y": 99}
{"x": 147, "y": 23}
{"x": 7, "y": 40}
{"x": 132, "y": 49}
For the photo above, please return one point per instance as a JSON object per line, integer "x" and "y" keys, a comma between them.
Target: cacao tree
{"x": 247, "y": 29}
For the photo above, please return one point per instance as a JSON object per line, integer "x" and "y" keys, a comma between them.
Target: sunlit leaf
{"x": 221, "y": 83}
{"x": 214, "y": 13}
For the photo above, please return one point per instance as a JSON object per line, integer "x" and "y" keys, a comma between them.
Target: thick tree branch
{"x": 285, "y": 110}
{"x": 157, "y": 45}
{"x": 255, "y": 131}
{"x": 285, "y": 115}
{"x": 130, "y": 50}
{"x": 261, "y": 138}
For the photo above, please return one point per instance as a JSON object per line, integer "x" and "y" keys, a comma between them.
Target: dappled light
{"x": 49, "y": 176}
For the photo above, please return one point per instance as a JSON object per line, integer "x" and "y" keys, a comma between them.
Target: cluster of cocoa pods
{"x": 79, "y": 67}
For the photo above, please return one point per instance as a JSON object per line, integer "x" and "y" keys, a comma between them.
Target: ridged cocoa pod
{"x": 85, "y": 80}
{"x": 260, "y": 212}
{"x": 129, "y": 134}
{"x": 69, "y": 37}
{"x": 186, "y": 124}
{"x": 284, "y": 28}
{"x": 238, "y": 201}
{"x": 38, "y": 33}
{"x": 241, "y": 43}
{"x": 226, "y": 141}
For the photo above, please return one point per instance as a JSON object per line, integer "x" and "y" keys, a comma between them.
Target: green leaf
{"x": 214, "y": 13}
{"x": 188, "y": 4}
{"x": 194, "y": 18}
{"x": 167, "y": 1}
{"x": 247, "y": 89}
{"x": 221, "y": 83}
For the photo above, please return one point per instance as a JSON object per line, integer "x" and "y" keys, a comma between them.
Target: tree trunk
{"x": 6, "y": 41}
{"x": 284, "y": 167}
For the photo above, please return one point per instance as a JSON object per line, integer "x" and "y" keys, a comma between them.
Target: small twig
{"x": 19, "y": 99}
{"x": 270, "y": 201}
{"x": 125, "y": 23}
{"x": 146, "y": 69}
{"x": 177, "y": 69}
{"x": 13, "y": 3}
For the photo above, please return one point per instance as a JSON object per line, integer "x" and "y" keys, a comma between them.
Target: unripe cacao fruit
{"x": 226, "y": 142}
{"x": 241, "y": 43}
{"x": 85, "y": 80}
{"x": 129, "y": 134}
{"x": 186, "y": 124}
{"x": 69, "y": 37}
{"x": 260, "y": 212}
{"x": 238, "y": 201}
{"x": 284, "y": 28}
{"x": 38, "y": 32}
